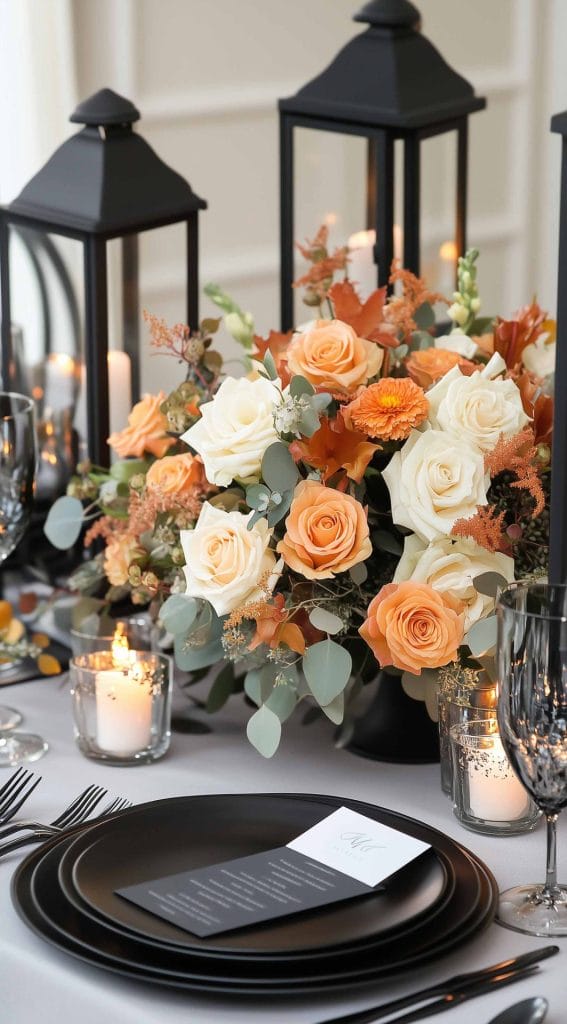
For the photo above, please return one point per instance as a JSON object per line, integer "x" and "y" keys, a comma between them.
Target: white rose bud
{"x": 224, "y": 559}
{"x": 235, "y": 429}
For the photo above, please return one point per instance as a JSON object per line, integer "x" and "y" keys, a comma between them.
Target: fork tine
{"x": 19, "y": 786}
{"x": 32, "y": 783}
{"x": 13, "y": 778}
{"x": 74, "y": 806}
{"x": 88, "y": 805}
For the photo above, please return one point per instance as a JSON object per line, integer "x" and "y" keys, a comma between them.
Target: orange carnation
{"x": 146, "y": 430}
{"x": 389, "y": 409}
{"x": 428, "y": 365}
{"x": 326, "y": 532}
{"x": 412, "y": 626}
{"x": 175, "y": 474}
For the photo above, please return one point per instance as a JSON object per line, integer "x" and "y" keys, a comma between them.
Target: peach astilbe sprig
{"x": 519, "y": 455}
{"x": 388, "y": 409}
{"x": 402, "y": 308}
{"x": 319, "y": 277}
{"x": 485, "y": 527}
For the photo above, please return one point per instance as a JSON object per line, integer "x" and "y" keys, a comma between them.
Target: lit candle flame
{"x": 448, "y": 252}
{"x": 121, "y": 656}
{"x": 362, "y": 239}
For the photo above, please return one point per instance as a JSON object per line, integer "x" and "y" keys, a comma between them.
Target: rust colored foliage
{"x": 512, "y": 336}
{"x": 273, "y": 629}
{"x": 277, "y": 344}
{"x": 366, "y": 318}
{"x": 402, "y": 308}
{"x": 537, "y": 405}
{"x": 518, "y": 455}
{"x": 485, "y": 527}
{"x": 334, "y": 447}
{"x": 323, "y": 265}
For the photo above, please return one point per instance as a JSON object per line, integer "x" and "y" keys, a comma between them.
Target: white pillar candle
{"x": 123, "y": 712}
{"x": 448, "y": 257}
{"x": 120, "y": 389}
{"x": 362, "y": 269}
{"x": 60, "y": 382}
{"x": 495, "y": 792}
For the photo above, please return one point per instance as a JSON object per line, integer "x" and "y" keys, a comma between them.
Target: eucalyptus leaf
{"x": 309, "y": 422}
{"x": 254, "y": 518}
{"x": 300, "y": 386}
{"x": 358, "y": 573}
{"x": 482, "y": 325}
{"x": 327, "y": 668}
{"x": 178, "y": 613}
{"x": 191, "y": 658}
{"x": 325, "y": 621}
{"x": 258, "y": 497}
{"x": 282, "y": 701}
{"x": 83, "y": 609}
{"x": 278, "y": 468}
{"x": 270, "y": 365}
{"x": 222, "y": 688}
{"x": 64, "y": 522}
{"x": 481, "y": 637}
{"x": 386, "y": 541}
{"x": 264, "y": 731}
{"x": 490, "y": 584}
{"x": 336, "y": 709}
{"x": 321, "y": 401}
{"x": 253, "y": 686}
{"x": 124, "y": 470}
{"x": 424, "y": 316}
{"x": 280, "y": 510}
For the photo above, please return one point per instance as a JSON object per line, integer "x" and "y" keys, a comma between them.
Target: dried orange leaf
{"x": 48, "y": 665}
{"x": 5, "y": 614}
{"x": 27, "y": 602}
{"x": 40, "y": 640}
{"x": 14, "y": 632}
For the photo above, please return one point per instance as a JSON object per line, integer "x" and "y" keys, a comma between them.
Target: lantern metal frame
{"x": 387, "y": 83}
{"x": 558, "y": 506}
{"x": 103, "y": 183}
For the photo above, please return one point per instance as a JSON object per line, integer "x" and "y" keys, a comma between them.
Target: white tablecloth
{"x": 40, "y": 983}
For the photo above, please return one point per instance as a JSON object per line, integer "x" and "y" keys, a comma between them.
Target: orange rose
{"x": 430, "y": 364}
{"x": 118, "y": 557}
{"x": 326, "y": 532}
{"x": 332, "y": 358}
{"x": 146, "y": 430}
{"x": 175, "y": 474}
{"x": 412, "y": 626}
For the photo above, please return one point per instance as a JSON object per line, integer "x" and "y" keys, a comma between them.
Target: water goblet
{"x": 532, "y": 717}
{"x": 18, "y": 456}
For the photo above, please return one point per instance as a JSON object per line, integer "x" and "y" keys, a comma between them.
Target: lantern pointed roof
{"x": 106, "y": 179}
{"x": 390, "y": 75}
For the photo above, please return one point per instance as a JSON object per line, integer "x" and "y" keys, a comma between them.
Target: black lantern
{"x": 388, "y": 83}
{"x": 103, "y": 183}
{"x": 557, "y": 540}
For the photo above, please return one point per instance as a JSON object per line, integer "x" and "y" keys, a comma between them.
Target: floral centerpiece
{"x": 354, "y": 501}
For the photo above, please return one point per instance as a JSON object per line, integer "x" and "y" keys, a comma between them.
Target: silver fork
{"x": 77, "y": 810}
{"x": 15, "y": 792}
{"x": 48, "y": 832}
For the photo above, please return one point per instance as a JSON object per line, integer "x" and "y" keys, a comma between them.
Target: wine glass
{"x": 18, "y": 456}
{"x": 532, "y": 716}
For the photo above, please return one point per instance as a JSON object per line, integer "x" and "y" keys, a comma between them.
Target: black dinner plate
{"x": 42, "y": 905}
{"x": 160, "y": 839}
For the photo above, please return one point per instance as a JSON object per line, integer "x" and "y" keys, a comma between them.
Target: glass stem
{"x": 550, "y": 888}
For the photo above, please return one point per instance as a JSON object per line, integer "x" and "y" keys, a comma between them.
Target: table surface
{"x": 38, "y": 982}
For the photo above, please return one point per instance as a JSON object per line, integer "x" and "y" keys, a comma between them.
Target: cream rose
{"x": 333, "y": 358}
{"x": 450, "y": 566}
{"x": 434, "y": 480}
{"x": 224, "y": 559}
{"x": 479, "y": 408}
{"x": 457, "y": 342}
{"x": 235, "y": 429}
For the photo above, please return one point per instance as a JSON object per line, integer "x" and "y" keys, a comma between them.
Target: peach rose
{"x": 175, "y": 474}
{"x": 118, "y": 557}
{"x": 332, "y": 358}
{"x": 326, "y": 532}
{"x": 412, "y": 626}
{"x": 428, "y": 365}
{"x": 146, "y": 430}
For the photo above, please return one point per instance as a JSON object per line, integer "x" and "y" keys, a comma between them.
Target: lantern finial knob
{"x": 390, "y": 14}
{"x": 105, "y": 108}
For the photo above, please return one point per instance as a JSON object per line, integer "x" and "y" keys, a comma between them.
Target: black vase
{"x": 395, "y": 727}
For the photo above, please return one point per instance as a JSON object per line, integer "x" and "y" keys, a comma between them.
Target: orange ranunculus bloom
{"x": 333, "y": 358}
{"x": 326, "y": 532}
{"x": 273, "y": 629}
{"x": 334, "y": 447}
{"x": 428, "y": 365}
{"x": 175, "y": 474}
{"x": 389, "y": 409}
{"x": 146, "y": 430}
{"x": 412, "y": 626}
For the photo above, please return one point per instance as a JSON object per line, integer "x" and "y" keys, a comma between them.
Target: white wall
{"x": 206, "y": 75}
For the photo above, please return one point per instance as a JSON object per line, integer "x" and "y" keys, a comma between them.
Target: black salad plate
{"x": 43, "y": 905}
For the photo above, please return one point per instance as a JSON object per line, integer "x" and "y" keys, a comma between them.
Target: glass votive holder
{"x": 464, "y": 702}
{"x": 140, "y": 631}
{"x": 488, "y": 797}
{"x": 122, "y": 714}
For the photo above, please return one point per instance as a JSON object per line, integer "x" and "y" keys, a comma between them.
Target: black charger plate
{"x": 43, "y": 907}
{"x": 162, "y": 839}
